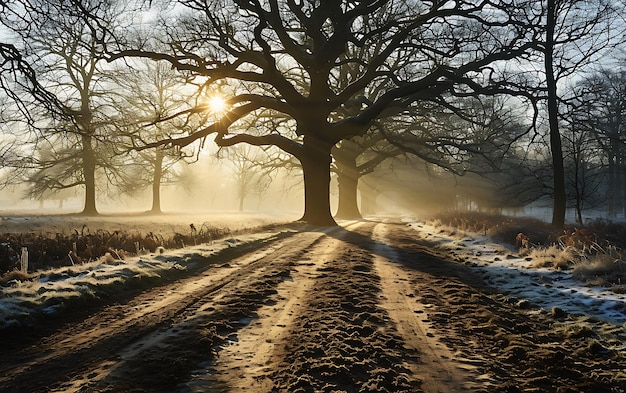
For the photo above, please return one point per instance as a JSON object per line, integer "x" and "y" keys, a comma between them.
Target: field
{"x": 61, "y": 240}
{"x": 379, "y": 305}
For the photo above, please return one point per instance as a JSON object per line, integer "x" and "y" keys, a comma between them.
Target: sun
{"x": 217, "y": 104}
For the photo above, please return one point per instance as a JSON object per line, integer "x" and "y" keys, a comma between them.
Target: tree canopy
{"x": 305, "y": 76}
{"x": 284, "y": 58}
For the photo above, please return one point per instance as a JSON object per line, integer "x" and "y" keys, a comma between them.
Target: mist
{"x": 207, "y": 186}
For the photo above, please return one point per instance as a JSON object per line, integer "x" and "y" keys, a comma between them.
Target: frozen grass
{"x": 14, "y": 275}
{"x": 602, "y": 270}
{"x": 552, "y": 256}
{"x": 593, "y": 254}
{"x": 50, "y": 289}
{"x": 63, "y": 240}
{"x": 499, "y": 227}
{"x": 85, "y": 246}
{"x": 26, "y": 297}
{"x": 529, "y": 278}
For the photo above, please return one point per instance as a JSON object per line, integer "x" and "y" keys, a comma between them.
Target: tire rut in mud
{"x": 338, "y": 338}
{"x": 343, "y": 340}
{"x": 245, "y": 364}
{"x": 95, "y": 363}
{"x": 438, "y": 367}
{"x": 510, "y": 346}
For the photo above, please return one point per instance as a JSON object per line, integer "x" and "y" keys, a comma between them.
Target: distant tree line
{"x": 505, "y": 103}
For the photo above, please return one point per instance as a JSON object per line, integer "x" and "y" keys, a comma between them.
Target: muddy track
{"x": 84, "y": 352}
{"x": 332, "y": 333}
{"x": 370, "y": 307}
{"x": 504, "y": 345}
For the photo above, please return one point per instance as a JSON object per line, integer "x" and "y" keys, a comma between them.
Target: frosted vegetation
{"x": 26, "y": 297}
{"x": 553, "y": 277}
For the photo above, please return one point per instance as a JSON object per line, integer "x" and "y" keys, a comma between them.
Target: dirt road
{"x": 367, "y": 307}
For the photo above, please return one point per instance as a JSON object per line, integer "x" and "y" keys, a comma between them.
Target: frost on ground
{"x": 502, "y": 268}
{"x": 369, "y": 306}
{"x": 49, "y": 291}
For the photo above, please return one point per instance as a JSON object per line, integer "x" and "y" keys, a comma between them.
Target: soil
{"x": 367, "y": 307}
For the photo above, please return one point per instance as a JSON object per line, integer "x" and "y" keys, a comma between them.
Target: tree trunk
{"x": 348, "y": 178}
{"x": 242, "y": 188}
{"x": 622, "y": 184}
{"x": 579, "y": 211}
{"x": 559, "y": 197}
{"x": 579, "y": 181}
{"x": 156, "y": 182}
{"x": 315, "y": 162}
{"x": 610, "y": 198}
{"x": 89, "y": 173}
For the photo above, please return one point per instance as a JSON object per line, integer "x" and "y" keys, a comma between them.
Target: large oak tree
{"x": 283, "y": 58}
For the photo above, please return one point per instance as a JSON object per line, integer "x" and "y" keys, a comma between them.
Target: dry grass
{"x": 601, "y": 269}
{"x": 552, "y": 256}
{"x": 84, "y": 245}
{"x": 14, "y": 275}
{"x": 612, "y": 232}
{"x": 594, "y": 253}
{"x": 499, "y": 227}
{"x": 51, "y": 238}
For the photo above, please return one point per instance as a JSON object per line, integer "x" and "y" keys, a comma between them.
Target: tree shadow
{"x": 420, "y": 254}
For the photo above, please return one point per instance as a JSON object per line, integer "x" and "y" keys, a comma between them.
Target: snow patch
{"x": 49, "y": 290}
{"x": 501, "y": 268}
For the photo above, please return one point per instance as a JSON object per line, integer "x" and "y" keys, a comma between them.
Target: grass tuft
{"x": 601, "y": 269}
{"x": 552, "y": 256}
{"x": 14, "y": 275}
{"x": 498, "y": 227}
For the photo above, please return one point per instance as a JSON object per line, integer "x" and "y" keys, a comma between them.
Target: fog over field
{"x": 208, "y": 186}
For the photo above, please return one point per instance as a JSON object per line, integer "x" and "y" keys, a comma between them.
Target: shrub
{"x": 595, "y": 252}
{"x": 499, "y": 227}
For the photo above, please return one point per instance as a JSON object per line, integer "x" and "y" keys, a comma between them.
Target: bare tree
{"x": 21, "y": 92}
{"x": 407, "y": 184}
{"x": 577, "y": 32}
{"x": 248, "y": 172}
{"x": 469, "y": 134}
{"x": 597, "y": 109}
{"x": 9, "y": 144}
{"x": 583, "y": 169}
{"x": 151, "y": 91}
{"x": 23, "y": 100}
{"x": 8, "y": 159}
{"x": 282, "y": 58}
{"x": 18, "y": 80}
{"x": 75, "y": 146}
{"x": 353, "y": 159}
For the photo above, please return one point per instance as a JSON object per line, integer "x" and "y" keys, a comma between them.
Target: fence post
{"x": 24, "y": 259}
